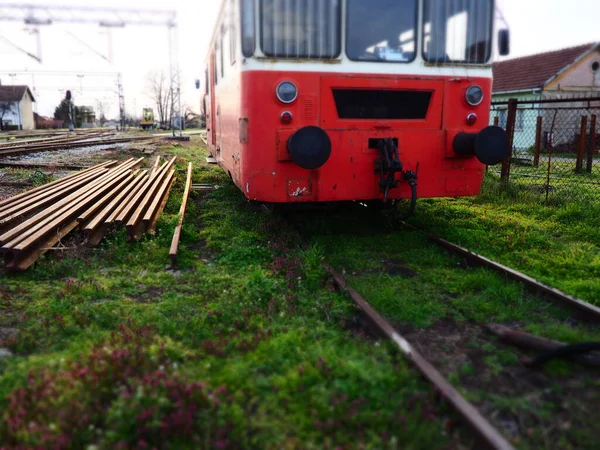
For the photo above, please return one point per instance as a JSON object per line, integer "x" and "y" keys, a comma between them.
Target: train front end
{"x": 377, "y": 100}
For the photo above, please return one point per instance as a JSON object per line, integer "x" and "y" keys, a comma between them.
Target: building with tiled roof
{"x": 568, "y": 73}
{"x": 577, "y": 67}
{"x": 16, "y": 107}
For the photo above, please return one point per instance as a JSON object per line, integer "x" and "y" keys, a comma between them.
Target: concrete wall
{"x": 579, "y": 78}
{"x": 28, "y": 122}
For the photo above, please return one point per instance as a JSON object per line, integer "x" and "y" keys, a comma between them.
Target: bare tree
{"x": 5, "y": 108}
{"x": 160, "y": 93}
{"x": 101, "y": 108}
{"x": 191, "y": 119}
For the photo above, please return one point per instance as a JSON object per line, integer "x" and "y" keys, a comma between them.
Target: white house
{"x": 16, "y": 107}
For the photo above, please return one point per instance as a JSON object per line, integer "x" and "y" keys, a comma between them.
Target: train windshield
{"x": 458, "y": 31}
{"x": 300, "y": 28}
{"x": 381, "y": 30}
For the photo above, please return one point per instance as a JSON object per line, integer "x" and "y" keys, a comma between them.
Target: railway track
{"x": 584, "y": 310}
{"x": 76, "y": 143}
{"x": 421, "y": 345}
{"x": 77, "y": 136}
{"x": 488, "y": 436}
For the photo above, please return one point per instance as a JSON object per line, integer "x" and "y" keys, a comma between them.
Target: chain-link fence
{"x": 555, "y": 147}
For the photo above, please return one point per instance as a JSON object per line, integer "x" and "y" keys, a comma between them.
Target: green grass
{"x": 245, "y": 346}
{"x": 418, "y": 286}
{"x": 557, "y": 244}
{"x": 248, "y": 346}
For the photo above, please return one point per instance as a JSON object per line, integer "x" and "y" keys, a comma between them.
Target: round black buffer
{"x": 490, "y": 145}
{"x": 309, "y": 147}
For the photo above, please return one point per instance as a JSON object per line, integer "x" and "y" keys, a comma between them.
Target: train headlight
{"x": 287, "y": 92}
{"x": 474, "y": 95}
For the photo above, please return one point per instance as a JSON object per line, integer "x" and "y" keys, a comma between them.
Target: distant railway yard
{"x": 334, "y": 326}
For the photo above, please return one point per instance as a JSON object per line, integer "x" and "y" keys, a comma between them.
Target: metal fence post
{"x": 538, "y": 141}
{"x": 581, "y": 149}
{"x": 496, "y": 121}
{"x": 510, "y": 131}
{"x": 592, "y": 146}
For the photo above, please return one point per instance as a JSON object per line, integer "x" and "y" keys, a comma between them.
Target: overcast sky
{"x": 536, "y": 26}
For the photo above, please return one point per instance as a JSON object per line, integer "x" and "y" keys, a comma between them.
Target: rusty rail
{"x": 177, "y": 232}
{"x": 67, "y": 145}
{"x": 585, "y": 310}
{"x": 489, "y": 436}
{"x": 34, "y": 221}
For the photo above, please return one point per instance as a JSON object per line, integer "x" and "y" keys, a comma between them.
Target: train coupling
{"x": 388, "y": 165}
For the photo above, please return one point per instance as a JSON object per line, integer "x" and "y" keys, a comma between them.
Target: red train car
{"x": 331, "y": 100}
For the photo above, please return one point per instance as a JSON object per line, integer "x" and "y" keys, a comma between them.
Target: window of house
{"x": 502, "y": 118}
{"x": 301, "y": 28}
{"x": 206, "y": 81}
{"x": 519, "y": 120}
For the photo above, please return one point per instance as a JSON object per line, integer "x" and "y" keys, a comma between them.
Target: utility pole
{"x": 121, "y": 101}
{"x": 71, "y": 111}
{"x": 109, "y": 18}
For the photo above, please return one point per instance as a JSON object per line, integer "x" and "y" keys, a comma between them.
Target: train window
{"x": 458, "y": 31}
{"x": 216, "y": 65}
{"x": 232, "y": 32}
{"x": 223, "y": 46}
{"x": 381, "y": 30}
{"x": 248, "y": 33}
{"x": 300, "y": 29}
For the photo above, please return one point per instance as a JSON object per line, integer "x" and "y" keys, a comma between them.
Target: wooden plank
{"x": 592, "y": 145}
{"x": 156, "y": 181}
{"x": 156, "y": 164}
{"x": 137, "y": 228}
{"x": 52, "y": 184}
{"x": 32, "y": 229}
{"x": 184, "y": 200}
{"x": 511, "y": 117}
{"x": 152, "y": 224}
{"x": 95, "y": 220}
{"x": 538, "y": 141}
{"x": 40, "y": 216}
{"x": 157, "y": 198}
{"x": 35, "y": 202}
{"x": 38, "y": 230}
{"x": 96, "y": 235}
{"x": 24, "y": 260}
{"x": 131, "y": 209}
{"x": 532, "y": 342}
{"x": 581, "y": 146}
{"x": 104, "y": 200}
{"x": 121, "y": 202}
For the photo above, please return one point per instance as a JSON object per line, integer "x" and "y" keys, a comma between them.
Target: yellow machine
{"x": 147, "y": 122}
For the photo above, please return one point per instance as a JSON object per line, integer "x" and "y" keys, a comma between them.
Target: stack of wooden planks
{"x": 93, "y": 200}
